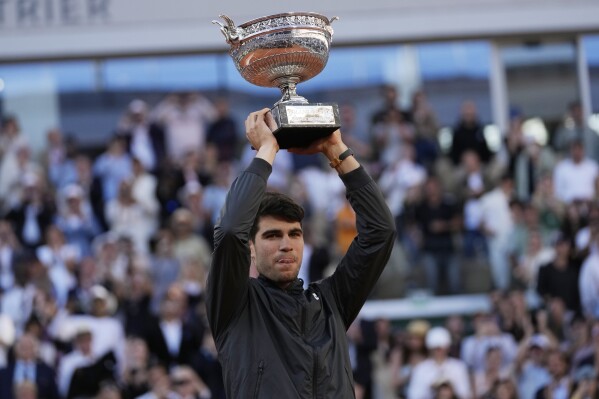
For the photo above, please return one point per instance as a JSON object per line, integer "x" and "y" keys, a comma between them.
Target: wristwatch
{"x": 335, "y": 162}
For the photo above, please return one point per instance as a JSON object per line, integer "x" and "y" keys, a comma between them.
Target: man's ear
{"x": 252, "y": 250}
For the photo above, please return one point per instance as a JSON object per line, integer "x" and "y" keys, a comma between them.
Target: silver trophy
{"x": 281, "y": 51}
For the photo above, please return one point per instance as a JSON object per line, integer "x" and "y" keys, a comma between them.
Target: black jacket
{"x": 276, "y": 343}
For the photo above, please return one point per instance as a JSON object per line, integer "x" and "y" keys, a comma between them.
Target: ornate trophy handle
{"x": 328, "y": 27}
{"x": 230, "y": 30}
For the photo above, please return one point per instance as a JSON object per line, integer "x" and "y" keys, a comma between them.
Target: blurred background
{"x": 122, "y": 129}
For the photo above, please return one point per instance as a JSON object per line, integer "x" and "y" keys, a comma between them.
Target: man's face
{"x": 278, "y": 249}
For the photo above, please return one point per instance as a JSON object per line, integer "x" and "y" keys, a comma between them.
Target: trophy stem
{"x": 288, "y": 88}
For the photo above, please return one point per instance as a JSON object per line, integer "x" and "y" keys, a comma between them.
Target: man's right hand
{"x": 258, "y": 129}
{"x": 259, "y": 126}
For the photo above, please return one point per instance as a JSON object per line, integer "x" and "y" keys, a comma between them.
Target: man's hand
{"x": 259, "y": 126}
{"x": 331, "y": 146}
{"x": 258, "y": 129}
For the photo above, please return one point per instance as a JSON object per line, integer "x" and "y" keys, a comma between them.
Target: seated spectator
{"x": 494, "y": 371}
{"x": 27, "y": 367}
{"x": 77, "y": 220}
{"x": 170, "y": 337}
{"x": 560, "y": 386}
{"x": 531, "y": 365}
{"x": 187, "y": 385}
{"x": 439, "y": 367}
{"x": 80, "y": 356}
{"x": 487, "y": 335}
{"x": 135, "y": 378}
{"x": 408, "y": 352}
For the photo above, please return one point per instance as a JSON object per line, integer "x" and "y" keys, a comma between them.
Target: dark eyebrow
{"x": 279, "y": 231}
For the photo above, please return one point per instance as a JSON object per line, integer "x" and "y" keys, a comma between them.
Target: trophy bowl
{"x": 281, "y": 51}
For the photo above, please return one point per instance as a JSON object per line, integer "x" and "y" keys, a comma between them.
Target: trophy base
{"x": 301, "y": 124}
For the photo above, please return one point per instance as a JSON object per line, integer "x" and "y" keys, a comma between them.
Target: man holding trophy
{"x": 276, "y": 339}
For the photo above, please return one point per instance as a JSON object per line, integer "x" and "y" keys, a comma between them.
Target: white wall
{"x": 37, "y": 29}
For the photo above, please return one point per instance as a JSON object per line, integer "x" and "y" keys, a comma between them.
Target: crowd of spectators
{"x": 103, "y": 259}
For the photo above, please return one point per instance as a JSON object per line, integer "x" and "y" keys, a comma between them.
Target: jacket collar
{"x": 296, "y": 287}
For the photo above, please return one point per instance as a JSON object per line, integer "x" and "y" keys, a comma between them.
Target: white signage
{"x": 38, "y": 29}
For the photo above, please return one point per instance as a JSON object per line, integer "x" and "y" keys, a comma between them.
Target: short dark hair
{"x": 280, "y": 206}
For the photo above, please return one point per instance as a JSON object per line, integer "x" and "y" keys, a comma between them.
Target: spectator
{"x": 390, "y": 95}
{"x": 426, "y": 130}
{"x": 128, "y": 217}
{"x": 574, "y": 177}
{"x": 112, "y": 167}
{"x": 170, "y": 337}
{"x": 160, "y": 387}
{"x": 497, "y": 224}
{"x": 391, "y": 135}
{"x": 187, "y": 385}
{"x": 14, "y": 156}
{"x": 573, "y": 128}
{"x": 530, "y": 365}
{"x": 80, "y": 356}
{"x": 145, "y": 140}
{"x": 559, "y": 278}
{"x": 33, "y": 214}
{"x": 589, "y": 285}
{"x": 17, "y": 302}
{"x": 9, "y": 246}
{"x": 560, "y": 385}
{"x": 439, "y": 367}
{"x": 471, "y": 187}
{"x": 135, "y": 378}
{"x": 439, "y": 221}
{"x": 77, "y": 220}
{"x": 401, "y": 176}
{"x": 187, "y": 244}
{"x": 468, "y": 134}
{"x": 186, "y": 117}
{"x": 164, "y": 266}
{"x": 27, "y": 367}
{"x": 487, "y": 335}
{"x": 409, "y": 351}
{"x": 222, "y": 133}
{"x": 494, "y": 371}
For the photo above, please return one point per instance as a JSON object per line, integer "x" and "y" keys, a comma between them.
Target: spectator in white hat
{"x": 439, "y": 367}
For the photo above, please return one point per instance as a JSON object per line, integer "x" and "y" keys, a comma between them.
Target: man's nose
{"x": 285, "y": 243}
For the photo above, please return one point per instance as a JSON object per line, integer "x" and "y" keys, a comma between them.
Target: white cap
{"x": 438, "y": 337}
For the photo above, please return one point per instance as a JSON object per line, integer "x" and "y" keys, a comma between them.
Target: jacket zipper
{"x": 259, "y": 378}
{"x": 314, "y": 372}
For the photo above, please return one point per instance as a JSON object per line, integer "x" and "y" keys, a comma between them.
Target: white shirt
{"x": 396, "y": 180}
{"x": 68, "y": 364}
{"x": 141, "y": 147}
{"x": 429, "y": 372}
{"x": 495, "y": 213}
{"x": 589, "y": 285}
{"x": 172, "y": 332}
{"x": 575, "y": 180}
{"x": 6, "y": 275}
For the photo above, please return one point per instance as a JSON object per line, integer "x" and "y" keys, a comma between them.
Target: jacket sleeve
{"x": 367, "y": 256}
{"x": 227, "y": 285}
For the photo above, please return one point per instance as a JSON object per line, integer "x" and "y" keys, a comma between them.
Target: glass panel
{"x": 454, "y": 72}
{"x": 162, "y": 73}
{"x": 542, "y": 81}
{"x": 591, "y": 49}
